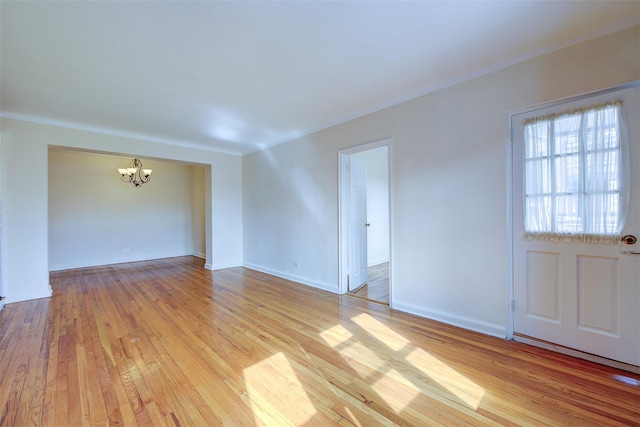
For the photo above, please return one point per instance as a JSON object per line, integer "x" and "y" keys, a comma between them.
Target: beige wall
{"x": 95, "y": 219}
{"x": 449, "y": 185}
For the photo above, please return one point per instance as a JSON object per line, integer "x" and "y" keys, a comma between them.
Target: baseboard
{"x": 576, "y": 353}
{"x": 464, "y": 322}
{"x": 298, "y": 279}
{"x": 199, "y": 255}
{"x": 221, "y": 266}
{"x": 117, "y": 260}
{"x": 27, "y": 297}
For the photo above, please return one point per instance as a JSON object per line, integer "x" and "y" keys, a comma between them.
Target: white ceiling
{"x": 240, "y": 76}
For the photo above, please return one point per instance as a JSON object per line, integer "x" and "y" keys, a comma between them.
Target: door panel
{"x": 543, "y": 286}
{"x": 598, "y": 295}
{"x": 358, "y": 221}
{"x": 583, "y": 296}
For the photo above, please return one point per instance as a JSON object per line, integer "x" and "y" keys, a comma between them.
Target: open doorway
{"x": 365, "y": 222}
{"x": 88, "y": 226}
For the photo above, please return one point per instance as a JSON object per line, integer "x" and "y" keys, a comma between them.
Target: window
{"x": 574, "y": 186}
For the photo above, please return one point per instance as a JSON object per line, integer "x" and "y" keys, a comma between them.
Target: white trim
{"x": 578, "y": 354}
{"x": 571, "y": 98}
{"x": 509, "y": 272}
{"x": 117, "y": 260}
{"x": 298, "y": 279}
{"x": 343, "y": 251}
{"x": 198, "y": 254}
{"x": 391, "y": 221}
{"x": 221, "y": 266}
{"x": 28, "y": 296}
{"x": 113, "y": 132}
{"x": 469, "y": 323}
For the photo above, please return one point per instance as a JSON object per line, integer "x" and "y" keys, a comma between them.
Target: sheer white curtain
{"x": 575, "y": 179}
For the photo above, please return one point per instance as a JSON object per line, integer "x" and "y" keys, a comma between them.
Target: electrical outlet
{"x": 126, "y": 249}
{"x": 295, "y": 264}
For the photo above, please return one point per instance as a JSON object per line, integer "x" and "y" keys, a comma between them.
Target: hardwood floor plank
{"x": 167, "y": 342}
{"x": 377, "y": 286}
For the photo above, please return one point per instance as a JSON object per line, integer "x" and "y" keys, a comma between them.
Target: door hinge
{"x": 511, "y": 134}
{"x": 513, "y": 305}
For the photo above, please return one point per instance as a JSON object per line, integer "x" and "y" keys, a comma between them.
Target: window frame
{"x": 545, "y": 225}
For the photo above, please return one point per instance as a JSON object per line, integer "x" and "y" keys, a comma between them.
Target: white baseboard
{"x": 199, "y": 255}
{"x": 576, "y": 353}
{"x": 475, "y": 325}
{"x": 221, "y": 266}
{"x": 27, "y": 296}
{"x": 298, "y": 279}
{"x": 116, "y": 260}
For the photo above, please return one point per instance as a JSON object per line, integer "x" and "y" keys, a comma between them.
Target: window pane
{"x": 567, "y": 174}
{"x": 537, "y": 140}
{"x": 602, "y": 213}
{"x": 603, "y": 171}
{"x": 567, "y": 134}
{"x": 567, "y": 218}
{"x": 538, "y": 214}
{"x": 601, "y": 129}
{"x": 538, "y": 177}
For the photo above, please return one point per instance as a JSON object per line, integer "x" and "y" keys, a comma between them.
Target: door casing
{"x": 343, "y": 212}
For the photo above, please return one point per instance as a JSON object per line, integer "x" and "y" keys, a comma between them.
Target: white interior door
{"x": 357, "y": 223}
{"x": 583, "y": 296}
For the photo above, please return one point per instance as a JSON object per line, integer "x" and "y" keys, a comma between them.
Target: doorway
{"x": 365, "y": 250}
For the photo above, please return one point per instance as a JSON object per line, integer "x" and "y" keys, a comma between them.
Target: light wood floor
{"x": 377, "y": 286}
{"x": 169, "y": 343}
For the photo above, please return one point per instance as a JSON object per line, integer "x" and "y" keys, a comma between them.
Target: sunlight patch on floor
{"x": 336, "y": 335}
{"x": 456, "y": 383}
{"x": 390, "y": 338}
{"x": 396, "y": 386}
{"x": 274, "y": 388}
{"x": 396, "y": 390}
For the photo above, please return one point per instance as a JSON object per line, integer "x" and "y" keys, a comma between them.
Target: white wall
{"x": 96, "y": 219}
{"x": 198, "y": 211}
{"x": 286, "y": 203}
{"x": 449, "y": 185}
{"x": 377, "y": 166}
{"x": 25, "y": 268}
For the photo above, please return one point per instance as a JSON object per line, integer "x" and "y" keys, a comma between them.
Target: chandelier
{"x": 134, "y": 174}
